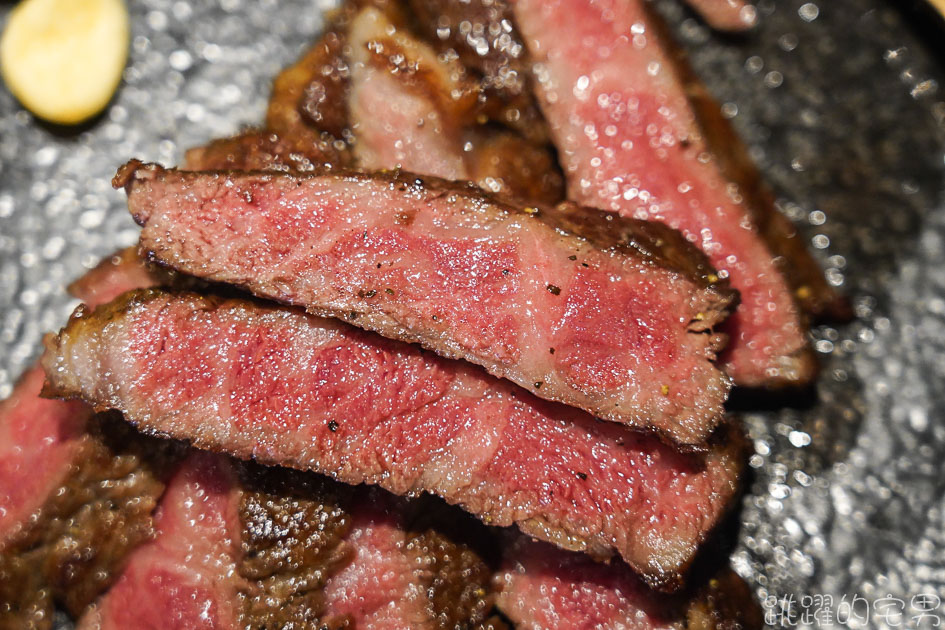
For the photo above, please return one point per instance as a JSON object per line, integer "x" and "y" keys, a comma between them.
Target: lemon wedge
{"x": 63, "y": 59}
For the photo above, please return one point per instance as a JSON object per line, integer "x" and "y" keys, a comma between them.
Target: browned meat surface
{"x": 407, "y": 106}
{"x": 616, "y": 326}
{"x": 543, "y": 588}
{"x": 482, "y": 35}
{"x": 262, "y": 151}
{"x": 413, "y": 109}
{"x": 280, "y": 386}
{"x": 86, "y": 529}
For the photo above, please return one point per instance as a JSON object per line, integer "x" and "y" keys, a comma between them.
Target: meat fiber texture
{"x": 280, "y": 386}
{"x": 618, "y": 323}
{"x": 629, "y": 143}
{"x": 543, "y": 588}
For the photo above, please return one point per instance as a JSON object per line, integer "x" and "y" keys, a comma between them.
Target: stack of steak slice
{"x": 606, "y": 437}
{"x": 608, "y": 314}
{"x": 282, "y": 387}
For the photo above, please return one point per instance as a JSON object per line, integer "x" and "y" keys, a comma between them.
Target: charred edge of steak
{"x": 85, "y": 531}
{"x": 460, "y": 556}
{"x": 648, "y": 241}
{"x": 260, "y": 150}
{"x": 505, "y": 162}
{"x": 815, "y": 297}
{"x": 294, "y": 529}
{"x": 294, "y": 526}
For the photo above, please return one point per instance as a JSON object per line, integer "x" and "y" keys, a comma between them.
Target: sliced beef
{"x": 402, "y": 575}
{"x": 630, "y": 143}
{"x": 38, "y": 438}
{"x": 304, "y": 99}
{"x": 407, "y": 105}
{"x": 413, "y": 109}
{"x": 280, "y": 386}
{"x": 186, "y": 576}
{"x": 242, "y": 546}
{"x": 76, "y": 491}
{"x": 482, "y": 36}
{"x": 543, "y": 588}
{"x": 615, "y": 323}
{"x": 503, "y": 162}
{"x": 815, "y": 296}
{"x": 293, "y": 528}
{"x": 726, "y": 15}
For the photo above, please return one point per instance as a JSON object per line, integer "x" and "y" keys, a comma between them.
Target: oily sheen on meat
{"x": 618, "y": 323}
{"x": 280, "y": 386}
{"x": 630, "y": 143}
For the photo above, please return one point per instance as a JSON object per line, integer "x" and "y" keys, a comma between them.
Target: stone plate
{"x": 841, "y": 103}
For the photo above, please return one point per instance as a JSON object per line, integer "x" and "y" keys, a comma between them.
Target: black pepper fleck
{"x": 554, "y": 290}
{"x": 551, "y": 350}
{"x": 538, "y": 384}
{"x": 582, "y": 476}
{"x": 367, "y": 294}
{"x": 389, "y": 291}
{"x": 572, "y": 257}
{"x": 332, "y": 426}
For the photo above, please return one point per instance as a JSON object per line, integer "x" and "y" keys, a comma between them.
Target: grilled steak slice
{"x": 185, "y": 576}
{"x": 284, "y": 387}
{"x": 280, "y": 549}
{"x": 38, "y": 440}
{"x": 816, "y": 298}
{"x": 726, "y": 15}
{"x": 614, "y": 323}
{"x": 481, "y": 34}
{"x": 629, "y": 142}
{"x": 540, "y": 587}
{"x": 76, "y": 492}
{"x": 399, "y": 89}
{"x": 405, "y": 574}
{"x": 414, "y": 110}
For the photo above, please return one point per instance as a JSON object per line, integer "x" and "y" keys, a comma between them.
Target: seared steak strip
{"x": 280, "y": 386}
{"x": 186, "y": 576}
{"x": 816, "y": 298}
{"x": 543, "y": 588}
{"x": 412, "y": 109}
{"x": 261, "y": 151}
{"x": 630, "y": 143}
{"x": 280, "y": 549}
{"x": 614, "y": 323}
{"x": 408, "y": 107}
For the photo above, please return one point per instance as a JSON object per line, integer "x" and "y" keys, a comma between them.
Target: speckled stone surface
{"x": 843, "y": 105}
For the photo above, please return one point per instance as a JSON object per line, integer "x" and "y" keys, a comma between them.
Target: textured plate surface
{"x": 841, "y": 103}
